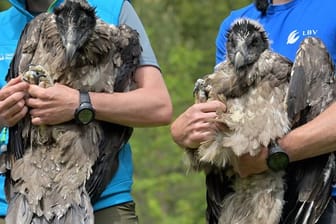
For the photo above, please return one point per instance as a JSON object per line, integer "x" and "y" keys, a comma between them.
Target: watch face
{"x": 278, "y": 161}
{"x": 85, "y": 116}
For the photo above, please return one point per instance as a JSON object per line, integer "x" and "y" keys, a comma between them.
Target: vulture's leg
{"x": 38, "y": 75}
{"x": 199, "y": 91}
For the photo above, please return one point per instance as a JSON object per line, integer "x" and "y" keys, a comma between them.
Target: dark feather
{"x": 312, "y": 84}
{"x": 311, "y": 91}
{"x": 309, "y": 189}
{"x": 218, "y": 185}
{"x": 107, "y": 162}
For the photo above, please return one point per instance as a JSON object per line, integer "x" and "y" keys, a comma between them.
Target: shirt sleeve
{"x": 221, "y": 41}
{"x": 129, "y": 16}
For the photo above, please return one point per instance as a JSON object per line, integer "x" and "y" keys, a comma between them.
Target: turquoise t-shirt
{"x": 12, "y": 22}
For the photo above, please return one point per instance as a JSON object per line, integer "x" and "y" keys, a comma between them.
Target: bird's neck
{"x": 37, "y": 6}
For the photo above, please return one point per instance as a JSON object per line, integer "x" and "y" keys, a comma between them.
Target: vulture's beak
{"x": 71, "y": 45}
{"x": 239, "y": 60}
{"x": 70, "y": 50}
{"x": 240, "y": 56}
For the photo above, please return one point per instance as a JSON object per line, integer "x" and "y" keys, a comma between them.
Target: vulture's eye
{"x": 255, "y": 42}
{"x": 233, "y": 42}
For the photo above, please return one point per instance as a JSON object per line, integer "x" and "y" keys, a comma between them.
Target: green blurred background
{"x": 183, "y": 35}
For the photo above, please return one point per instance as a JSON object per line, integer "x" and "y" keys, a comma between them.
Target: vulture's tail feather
{"x": 116, "y": 136}
{"x": 313, "y": 179}
{"x": 19, "y": 212}
{"x": 218, "y": 185}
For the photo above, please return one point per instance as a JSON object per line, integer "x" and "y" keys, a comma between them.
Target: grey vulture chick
{"x": 266, "y": 95}
{"x": 57, "y": 171}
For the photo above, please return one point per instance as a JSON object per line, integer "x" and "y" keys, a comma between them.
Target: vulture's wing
{"x": 130, "y": 50}
{"x": 311, "y": 91}
{"x": 312, "y": 85}
{"x": 218, "y": 186}
{"x": 19, "y": 134}
{"x": 116, "y": 136}
{"x": 22, "y": 57}
{"x": 25, "y": 51}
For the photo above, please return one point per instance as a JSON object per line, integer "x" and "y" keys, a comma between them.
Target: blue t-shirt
{"x": 287, "y": 25}
{"x": 12, "y": 22}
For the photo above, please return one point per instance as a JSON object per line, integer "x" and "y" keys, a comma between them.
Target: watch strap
{"x": 84, "y": 97}
{"x": 85, "y": 106}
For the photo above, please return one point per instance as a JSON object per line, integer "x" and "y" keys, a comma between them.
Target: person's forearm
{"x": 148, "y": 105}
{"x": 136, "y": 108}
{"x": 315, "y": 138}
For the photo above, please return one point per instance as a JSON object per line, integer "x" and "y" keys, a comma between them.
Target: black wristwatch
{"x": 277, "y": 158}
{"x": 85, "y": 113}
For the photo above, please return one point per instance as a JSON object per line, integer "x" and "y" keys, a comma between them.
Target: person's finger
{"x": 11, "y": 101}
{"x": 36, "y": 121}
{"x": 13, "y": 81}
{"x": 7, "y": 91}
{"x": 14, "y": 116}
{"x": 212, "y": 106}
{"x": 35, "y": 91}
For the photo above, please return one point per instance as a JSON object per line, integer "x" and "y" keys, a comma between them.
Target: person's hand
{"x": 12, "y": 103}
{"x": 197, "y": 124}
{"x": 248, "y": 165}
{"x": 53, "y": 105}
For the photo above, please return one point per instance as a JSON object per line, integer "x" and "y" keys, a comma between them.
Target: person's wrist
{"x": 263, "y": 163}
{"x": 277, "y": 159}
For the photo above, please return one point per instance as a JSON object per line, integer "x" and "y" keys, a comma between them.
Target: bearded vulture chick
{"x": 266, "y": 95}
{"x": 56, "y": 172}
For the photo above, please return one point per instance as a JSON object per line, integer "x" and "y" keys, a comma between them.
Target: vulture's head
{"x": 76, "y": 21}
{"x": 246, "y": 40}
